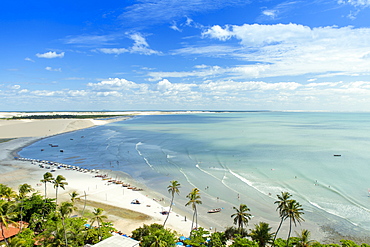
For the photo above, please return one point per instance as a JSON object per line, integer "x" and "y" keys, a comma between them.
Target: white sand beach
{"x": 15, "y": 172}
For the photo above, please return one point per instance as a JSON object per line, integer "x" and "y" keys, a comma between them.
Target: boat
{"x": 215, "y": 210}
{"x": 337, "y": 155}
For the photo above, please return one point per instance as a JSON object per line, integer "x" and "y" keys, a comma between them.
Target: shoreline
{"x": 103, "y": 192}
{"x": 16, "y": 172}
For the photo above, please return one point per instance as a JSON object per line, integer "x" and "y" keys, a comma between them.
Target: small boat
{"x": 337, "y": 155}
{"x": 215, "y": 210}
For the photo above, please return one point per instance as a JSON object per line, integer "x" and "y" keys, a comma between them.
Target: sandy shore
{"x": 114, "y": 198}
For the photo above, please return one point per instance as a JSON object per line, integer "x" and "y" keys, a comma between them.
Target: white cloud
{"x": 113, "y": 50}
{"x": 53, "y": 69}
{"x": 270, "y": 13}
{"x": 15, "y": 87}
{"x": 113, "y": 84}
{"x": 92, "y": 39}
{"x": 166, "y": 85}
{"x": 274, "y": 49}
{"x": 356, "y": 3}
{"x": 50, "y": 54}
{"x": 140, "y": 45}
{"x": 29, "y": 59}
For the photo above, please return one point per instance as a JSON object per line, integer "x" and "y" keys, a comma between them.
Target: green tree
{"x": 145, "y": 230}
{"x": 194, "y": 199}
{"x": 218, "y": 239}
{"x": 26, "y": 238}
{"x": 23, "y": 190}
{"x": 294, "y": 213}
{"x": 59, "y": 181}
{"x": 159, "y": 238}
{"x": 7, "y": 215}
{"x": 243, "y": 242}
{"x": 197, "y": 237}
{"x": 261, "y": 234}
{"x": 74, "y": 196}
{"x": 282, "y": 203}
{"x": 303, "y": 239}
{"x": 99, "y": 218}
{"x": 172, "y": 189}
{"x": 48, "y": 178}
{"x": 241, "y": 217}
{"x": 154, "y": 235}
{"x": 65, "y": 209}
{"x": 7, "y": 193}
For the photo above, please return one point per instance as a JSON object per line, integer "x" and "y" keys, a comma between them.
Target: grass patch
{"x": 112, "y": 210}
{"x": 6, "y": 140}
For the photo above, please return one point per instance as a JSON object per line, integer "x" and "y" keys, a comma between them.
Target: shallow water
{"x": 237, "y": 158}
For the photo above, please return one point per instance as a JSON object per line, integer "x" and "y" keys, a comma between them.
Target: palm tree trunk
{"x": 84, "y": 205}
{"x": 192, "y": 222}
{"x": 164, "y": 223}
{"x": 196, "y": 217}
{"x": 56, "y": 195}
{"x": 290, "y": 230}
{"x": 65, "y": 232}
{"x": 45, "y": 190}
{"x": 278, "y": 229}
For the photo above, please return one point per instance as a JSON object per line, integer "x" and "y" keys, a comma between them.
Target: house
{"x": 118, "y": 241}
{"x": 11, "y": 230}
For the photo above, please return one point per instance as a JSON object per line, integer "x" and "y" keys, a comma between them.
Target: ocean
{"x": 322, "y": 159}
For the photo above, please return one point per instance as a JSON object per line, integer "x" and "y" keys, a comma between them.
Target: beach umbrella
{"x": 179, "y": 243}
{"x": 182, "y": 238}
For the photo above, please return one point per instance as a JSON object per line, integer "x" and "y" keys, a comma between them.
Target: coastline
{"x": 113, "y": 195}
{"x": 98, "y": 191}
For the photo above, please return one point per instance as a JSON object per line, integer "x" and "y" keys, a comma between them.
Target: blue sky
{"x": 185, "y": 55}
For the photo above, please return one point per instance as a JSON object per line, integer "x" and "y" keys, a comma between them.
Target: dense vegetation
{"x": 51, "y": 224}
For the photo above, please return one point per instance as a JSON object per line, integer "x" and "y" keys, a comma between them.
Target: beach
{"x": 150, "y": 168}
{"x": 115, "y": 198}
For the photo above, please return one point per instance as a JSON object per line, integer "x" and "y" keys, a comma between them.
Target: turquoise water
{"x": 237, "y": 158}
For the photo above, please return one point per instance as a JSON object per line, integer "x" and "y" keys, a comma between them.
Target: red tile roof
{"x": 11, "y": 230}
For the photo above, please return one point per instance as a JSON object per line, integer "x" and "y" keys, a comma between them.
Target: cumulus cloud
{"x": 113, "y": 84}
{"x": 273, "y": 49}
{"x": 50, "y": 54}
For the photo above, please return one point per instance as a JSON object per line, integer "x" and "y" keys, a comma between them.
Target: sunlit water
{"x": 237, "y": 158}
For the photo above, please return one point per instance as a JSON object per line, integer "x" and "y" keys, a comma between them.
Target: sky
{"x": 122, "y": 55}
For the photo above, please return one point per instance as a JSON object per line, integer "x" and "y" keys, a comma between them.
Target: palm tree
{"x": 284, "y": 198}
{"x": 48, "y": 177}
{"x": 7, "y": 192}
{"x": 73, "y": 196}
{"x": 98, "y": 217}
{"x": 6, "y": 215}
{"x": 65, "y": 210}
{"x": 59, "y": 182}
{"x": 194, "y": 199}
{"x": 172, "y": 189}
{"x": 303, "y": 239}
{"x": 241, "y": 217}
{"x": 294, "y": 212}
{"x": 261, "y": 234}
{"x": 24, "y": 189}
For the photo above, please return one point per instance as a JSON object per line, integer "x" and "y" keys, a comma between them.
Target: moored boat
{"x": 215, "y": 210}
